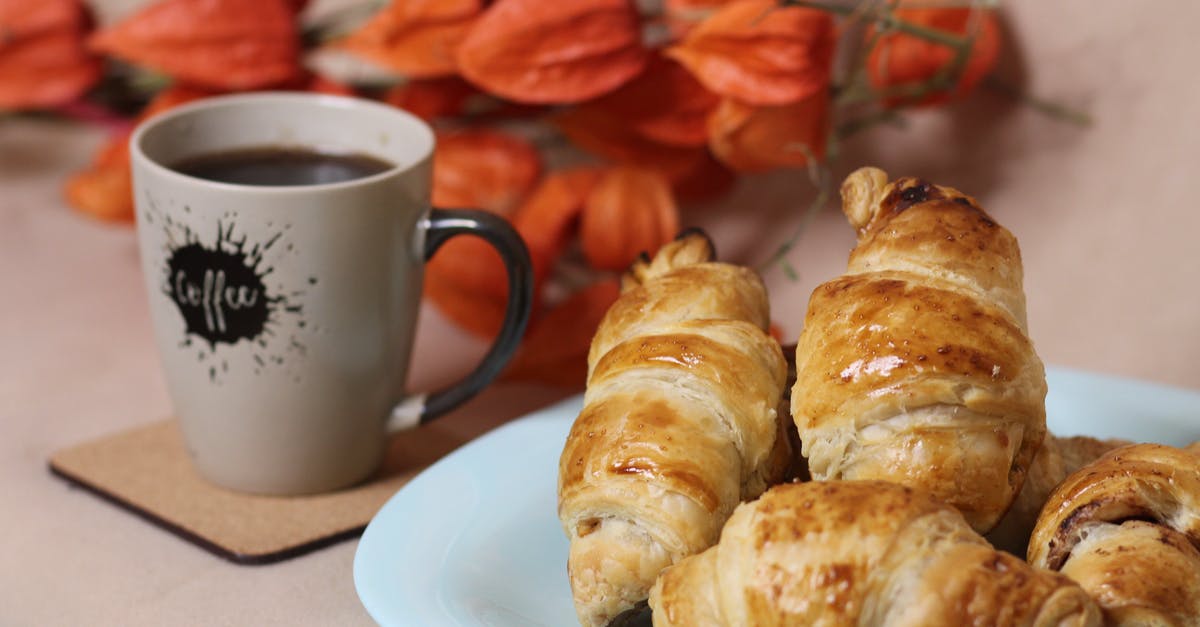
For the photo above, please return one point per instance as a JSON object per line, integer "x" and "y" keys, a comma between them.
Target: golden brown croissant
{"x": 1126, "y": 528}
{"x": 1058, "y": 458}
{"x": 915, "y": 365}
{"x": 680, "y": 422}
{"x": 859, "y": 553}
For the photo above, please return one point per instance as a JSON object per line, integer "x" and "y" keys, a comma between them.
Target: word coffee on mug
{"x": 221, "y": 291}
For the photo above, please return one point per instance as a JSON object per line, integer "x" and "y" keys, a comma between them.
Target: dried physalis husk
{"x": 217, "y": 44}
{"x": 630, "y": 211}
{"x": 603, "y": 133}
{"x": 483, "y": 169}
{"x": 548, "y": 218}
{"x": 665, "y": 104}
{"x": 749, "y": 138}
{"x": 43, "y": 60}
{"x": 540, "y": 52}
{"x": 761, "y": 53}
{"x": 434, "y": 98}
{"x": 417, "y": 38}
{"x": 104, "y": 189}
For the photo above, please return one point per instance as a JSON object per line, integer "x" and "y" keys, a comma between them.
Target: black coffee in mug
{"x": 280, "y": 165}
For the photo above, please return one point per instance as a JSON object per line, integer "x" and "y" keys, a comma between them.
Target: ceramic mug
{"x": 284, "y": 316}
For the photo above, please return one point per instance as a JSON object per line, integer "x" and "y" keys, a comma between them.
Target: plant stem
{"x": 856, "y": 87}
{"x": 821, "y": 178}
{"x": 885, "y": 19}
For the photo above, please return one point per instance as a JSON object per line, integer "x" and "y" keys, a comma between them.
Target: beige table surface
{"x": 1107, "y": 218}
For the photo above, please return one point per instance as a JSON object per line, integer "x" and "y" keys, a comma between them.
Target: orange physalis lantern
{"x": 900, "y": 59}
{"x": 105, "y": 189}
{"x": 665, "y": 104}
{"x": 483, "y": 169}
{"x": 603, "y": 133}
{"x": 220, "y": 44}
{"x": 707, "y": 179}
{"x": 417, "y": 38}
{"x": 748, "y": 138}
{"x": 431, "y": 98}
{"x": 547, "y": 218}
{"x": 478, "y": 314}
{"x": 629, "y": 212}
{"x": 43, "y": 60}
{"x": 556, "y": 52}
{"x": 761, "y": 53}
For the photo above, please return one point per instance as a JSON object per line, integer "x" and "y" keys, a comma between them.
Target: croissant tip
{"x": 695, "y": 231}
{"x": 861, "y": 192}
{"x": 691, "y": 245}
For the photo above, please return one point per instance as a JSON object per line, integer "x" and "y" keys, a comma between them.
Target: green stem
{"x": 821, "y": 177}
{"x": 885, "y": 19}
{"x": 856, "y": 87}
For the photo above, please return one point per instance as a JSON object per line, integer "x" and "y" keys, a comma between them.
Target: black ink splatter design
{"x": 221, "y": 298}
{"x": 225, "y": 294}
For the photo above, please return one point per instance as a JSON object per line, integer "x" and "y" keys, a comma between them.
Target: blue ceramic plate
{"x": 475, "y": 540}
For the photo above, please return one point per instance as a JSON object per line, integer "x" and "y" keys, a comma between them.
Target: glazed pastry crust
{"x": 859, "y": 553}
{"x": 1055, "y": 460}
{"x": 1126, "y": 527}
{"x": 915, "y": 365}
{"x": 679, "y": 424}
{"x": 1141, "y": 573}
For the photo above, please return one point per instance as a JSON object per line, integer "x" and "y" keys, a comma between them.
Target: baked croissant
{"x": 1126, "y": 528}
{"x": 859, "y": 553}
{"x": 680, "y": 422}
{"x": 1054, "y": 461}
{"x": 915, "y": 365}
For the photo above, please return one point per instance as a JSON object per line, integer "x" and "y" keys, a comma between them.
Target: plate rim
{"x": 362, "y": 568}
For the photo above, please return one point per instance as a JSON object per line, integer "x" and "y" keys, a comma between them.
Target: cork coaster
{"x": 147, "y": 471}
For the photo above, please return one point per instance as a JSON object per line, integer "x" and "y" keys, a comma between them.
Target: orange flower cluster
{"x": 43, "y": 59}
{"x": 671, "y": 106}
{"x": 207, "y": 47}
{"x": 730, "y": 88}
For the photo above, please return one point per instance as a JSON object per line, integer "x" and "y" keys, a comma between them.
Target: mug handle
{"x": 440, "y": 226}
